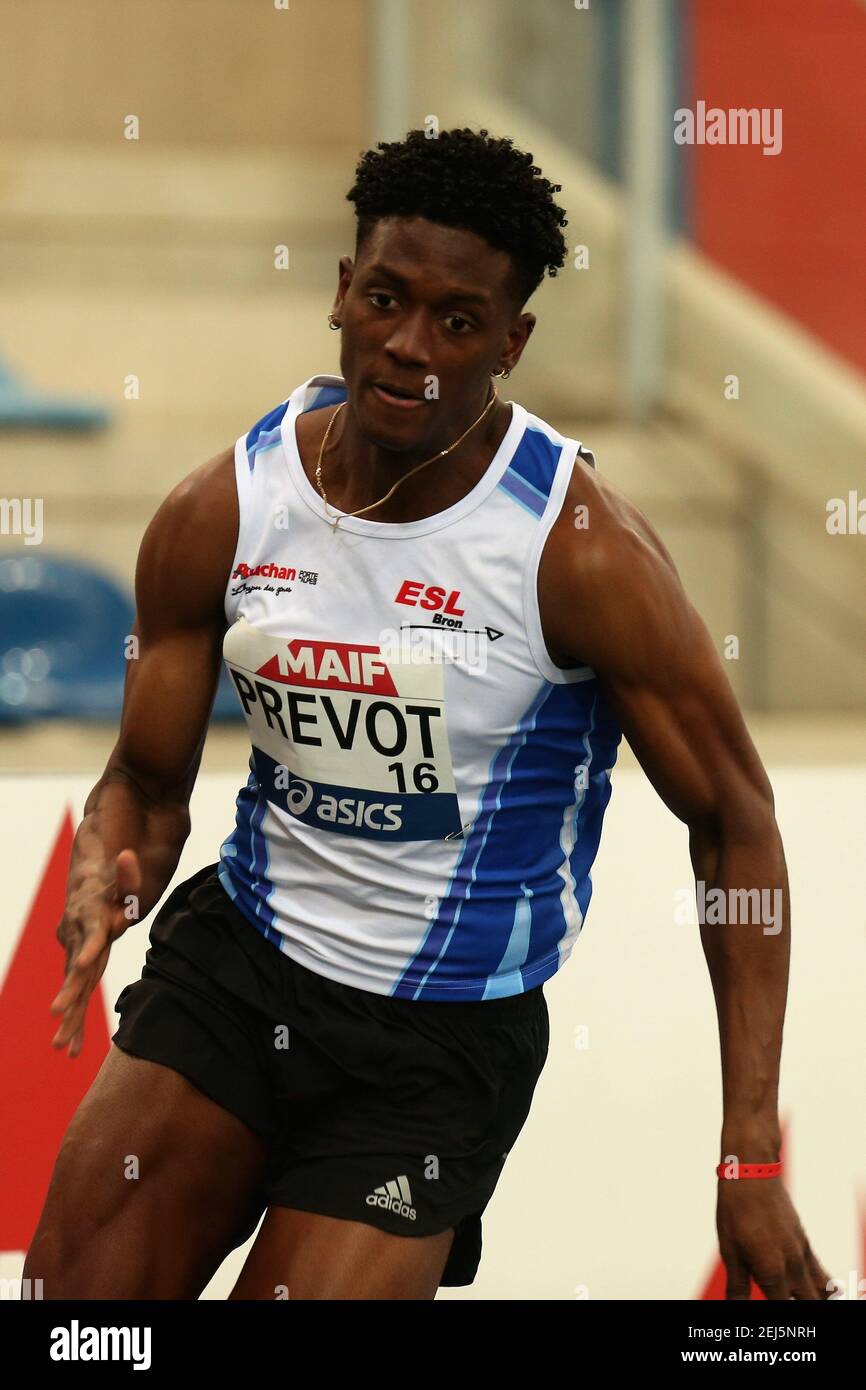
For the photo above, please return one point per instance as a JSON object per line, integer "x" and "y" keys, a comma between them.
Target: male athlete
{"x": 439, "y": 620}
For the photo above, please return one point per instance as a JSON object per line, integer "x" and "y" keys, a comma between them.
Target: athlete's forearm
{"x": 119, "y": 815}
{"x": 744, "y": 913}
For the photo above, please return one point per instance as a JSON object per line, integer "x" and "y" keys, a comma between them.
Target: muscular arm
{"x": 142, "y": 799}
{"x": 611, "y": 599}
{"x": 139, "y": 808}
{"x": 616, "y": 603}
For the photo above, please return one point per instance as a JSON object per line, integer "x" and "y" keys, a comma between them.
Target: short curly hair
{"x": 467, "y": 179}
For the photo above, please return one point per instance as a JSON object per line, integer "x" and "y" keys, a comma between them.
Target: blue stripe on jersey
{"x": 411, "y": 982}
{"x": 268, "y": 440}
{"x": 325, "y": 395}
{"x": 265, "y": 433}
{"x": 590, "y": 815}
{"x": 527, "y": 496}
{"x": 591, "y": 801}
{"x": 515, "y": 952}
{"x": 515, "y": 837}
{"x": 244, "y": 862}
{"x": 529, "y": 476}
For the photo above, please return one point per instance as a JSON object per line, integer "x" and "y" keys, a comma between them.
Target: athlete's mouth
{"x": 397, "y": 395}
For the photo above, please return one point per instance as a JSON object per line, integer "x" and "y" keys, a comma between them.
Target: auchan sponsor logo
{"x": 330, "y": 666}
{"x": 267, "y": 570}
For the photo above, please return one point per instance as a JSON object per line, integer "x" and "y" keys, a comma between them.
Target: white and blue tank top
{"x": 426, "y": 787}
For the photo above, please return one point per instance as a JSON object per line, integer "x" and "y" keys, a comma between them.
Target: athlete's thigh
{"x": 299, "y": 1254}
{"x": 153, "y": 1185}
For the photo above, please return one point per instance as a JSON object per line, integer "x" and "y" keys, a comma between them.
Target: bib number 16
{"x": 423, "y": 776}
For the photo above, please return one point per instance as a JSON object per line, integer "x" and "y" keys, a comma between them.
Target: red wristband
{"x": 749, "y": 1170}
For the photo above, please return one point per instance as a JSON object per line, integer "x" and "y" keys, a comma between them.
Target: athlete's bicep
{"x": 680, "y": 716}
{"x": 173, "y": 659}
{"x": 633, "y": 623}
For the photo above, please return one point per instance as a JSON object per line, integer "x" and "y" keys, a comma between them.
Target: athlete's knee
{"x": 84, "y": 1210}
{"x": 90, "y": 1247}
{"x": 60, "y": 1253}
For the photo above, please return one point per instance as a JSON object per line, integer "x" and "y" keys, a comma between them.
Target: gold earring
{"x": 332, "y": 322}
{"x": 504, "y": 373}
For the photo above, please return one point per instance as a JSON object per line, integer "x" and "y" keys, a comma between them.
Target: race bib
{"x": 344, "y": 739}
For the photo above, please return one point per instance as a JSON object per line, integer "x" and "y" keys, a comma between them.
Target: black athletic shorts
{"x": 391, "y": 1111}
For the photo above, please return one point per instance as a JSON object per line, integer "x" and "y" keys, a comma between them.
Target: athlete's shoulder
{"x": 541, "y": 434}
{"x": 534, "y": 467}
{"x": 266, "y": 433}
{"x": 606, "y": 579}
{"x": 200, "y": 498}
{"x": 600, "y": 545}
{"x": 185, "y": 556}
{"x": 599, "y": 526}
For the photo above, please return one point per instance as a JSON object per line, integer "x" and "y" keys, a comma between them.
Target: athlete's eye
{"x": 460, "y": 321}
{"x": 381, "y": 294}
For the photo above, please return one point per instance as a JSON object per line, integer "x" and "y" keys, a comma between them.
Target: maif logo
{"x": 330, "y": 666}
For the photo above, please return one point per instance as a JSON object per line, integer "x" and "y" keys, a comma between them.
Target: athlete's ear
{"x": 346, "y": 269}
{"x": 518, "y": 336}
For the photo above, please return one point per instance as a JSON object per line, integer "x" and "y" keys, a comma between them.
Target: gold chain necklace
{"x": 441, "y": 454}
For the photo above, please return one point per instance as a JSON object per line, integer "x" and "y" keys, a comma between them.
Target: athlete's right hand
{"x": 96, "y": 914}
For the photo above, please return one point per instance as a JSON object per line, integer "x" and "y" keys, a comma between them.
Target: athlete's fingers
{"x": 75, "y": 981}
{"x": 79, "y": 921}
{"x": 124, "y": 908}
{"x": 63, "y": 1034}
{"x": 820, "y": 1277}
{"x": 70, "y": 939}
{"x": 75, "y": 1042}
{"x": 72, "y": 1012}
{"x": 88, "y": 974}
{"x": 76, "y": 991}
{"x": 95, "y": 943}
{"x": 68, "y": 992}
{"x": 66, "y": 1031}
{"x": 775, "y": 1286}
{"x": 97, "y": 918}
{"x": 738, "y": 1285}
{"x": 802, "y": 1283}
{"x": 93, "y": 936}
{"x": 128, "y": 874}
{"x": 73, "y": 1022}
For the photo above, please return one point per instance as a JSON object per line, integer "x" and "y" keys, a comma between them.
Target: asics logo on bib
{"x": 344, "y": 811}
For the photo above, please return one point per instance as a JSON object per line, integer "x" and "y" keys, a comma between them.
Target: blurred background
{"x": 707, "y": 337}
{"x": 172, "y": 209}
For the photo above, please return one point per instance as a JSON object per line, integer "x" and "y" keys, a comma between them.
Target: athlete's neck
{"x": 356, "y": 472}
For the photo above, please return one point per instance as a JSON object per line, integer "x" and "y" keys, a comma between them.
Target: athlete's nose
{"x": 409, "y": 343}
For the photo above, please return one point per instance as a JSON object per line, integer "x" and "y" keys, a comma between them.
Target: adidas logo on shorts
{"x": 394, "y": 1196}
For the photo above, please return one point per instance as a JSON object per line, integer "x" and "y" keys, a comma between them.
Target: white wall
{"x": 610, "y": 1186}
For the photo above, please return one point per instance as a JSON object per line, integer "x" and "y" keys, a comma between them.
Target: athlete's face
{"x": 430, "y": 312}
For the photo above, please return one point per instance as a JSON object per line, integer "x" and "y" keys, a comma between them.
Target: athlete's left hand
{"x": 760, "y": 1236}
